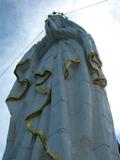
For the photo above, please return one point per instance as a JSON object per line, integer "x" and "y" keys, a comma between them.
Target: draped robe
{"x": 58, "y": 104}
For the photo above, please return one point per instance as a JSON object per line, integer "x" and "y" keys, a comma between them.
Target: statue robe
{"x": 58, "y": 104}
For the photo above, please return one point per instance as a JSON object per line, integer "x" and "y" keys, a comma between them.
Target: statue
{"x": 58, "y": 104}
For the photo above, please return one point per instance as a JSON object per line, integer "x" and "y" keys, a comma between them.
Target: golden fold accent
{"x": 95, "y": 65}
{"x": 93, "y": 68}
{"x": 102, "y": 82}
{"x": 67, "y": 66}
{"x": 24, "y": 82}
{"x": 96, "y": 59}
{"x": 29, "y": 118}
{"x": 41, "y": 89}
{"x": 18, "y": 66}
{"x": 46, "y": 74}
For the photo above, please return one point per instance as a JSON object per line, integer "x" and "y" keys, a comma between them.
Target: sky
{"x": 21, "y": 21}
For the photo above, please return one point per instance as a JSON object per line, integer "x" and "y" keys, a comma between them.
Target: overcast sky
{"x": 21, "y": 21}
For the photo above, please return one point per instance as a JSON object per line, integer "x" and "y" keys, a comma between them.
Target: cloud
{"x": 115, "y": 10}
{"x": 20, "y": 22}
{"x": 101, "y": 25}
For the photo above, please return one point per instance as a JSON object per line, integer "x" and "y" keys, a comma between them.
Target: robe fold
{"x": 58, "y": 104}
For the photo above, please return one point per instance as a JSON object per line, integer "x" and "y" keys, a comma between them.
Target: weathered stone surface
{"x": 61, "y": 110}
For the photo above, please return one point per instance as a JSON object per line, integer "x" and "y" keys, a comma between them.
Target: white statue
{"x": 58, "y": 105}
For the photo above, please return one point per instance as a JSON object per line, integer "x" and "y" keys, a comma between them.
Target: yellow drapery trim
{"x": 39, "y": 132}
{"x": 93, "y": 60}
{"x": 67, "y": 66}
{"x": 100, "y": 82}
{"x": 92, "y": 68}
{"x": 25, "y": 83}
{"x": 46, "y": 74}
